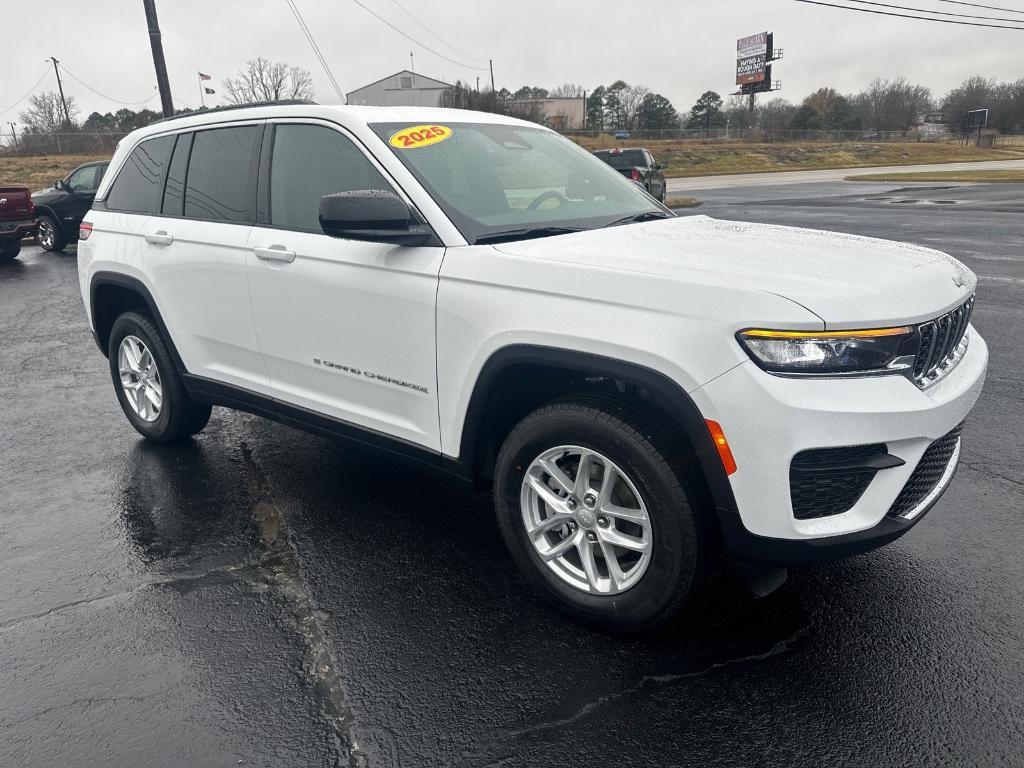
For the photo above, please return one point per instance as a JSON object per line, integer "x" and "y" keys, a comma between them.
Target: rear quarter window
{"x": 138, "y": 187}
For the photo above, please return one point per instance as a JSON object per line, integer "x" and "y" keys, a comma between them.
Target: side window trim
{"x": 178, "y": 138}
{"x": 266, "y": 155}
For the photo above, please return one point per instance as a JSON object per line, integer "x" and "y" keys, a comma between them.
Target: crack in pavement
{"x": 647, "y": 681}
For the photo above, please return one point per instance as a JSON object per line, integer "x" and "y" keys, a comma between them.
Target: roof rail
{"x": 230, "y": 107}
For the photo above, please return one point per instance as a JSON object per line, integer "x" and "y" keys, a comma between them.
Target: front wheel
{"x": 49, "y": 234}
{"x": 592, "y": 501}
{"x": 147, "y": 383}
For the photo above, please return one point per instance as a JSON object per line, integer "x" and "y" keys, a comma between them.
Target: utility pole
{"x": 158, "y": 57}
{"x": 60, "y": 87}
{"x": 14, "y": 136}
{"x": 494, "y": 93}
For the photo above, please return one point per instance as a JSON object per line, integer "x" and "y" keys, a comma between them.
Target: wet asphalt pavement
{"x": 262, "y": 597}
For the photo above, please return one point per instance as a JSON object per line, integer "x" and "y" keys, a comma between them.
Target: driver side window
{"x": 83, "y": 180}
{"x": 309, "y": 162}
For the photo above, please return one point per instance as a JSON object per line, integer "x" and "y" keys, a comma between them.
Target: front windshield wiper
{"x": 525, "y": 234}
{"x": 638, "y": 217}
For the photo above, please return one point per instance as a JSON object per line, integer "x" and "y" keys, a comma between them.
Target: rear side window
{"x": 174, "y": 191}
{"x": 308, "y": 162}
{"x": 221, "y": 182}
{"x": 138, "y": 187}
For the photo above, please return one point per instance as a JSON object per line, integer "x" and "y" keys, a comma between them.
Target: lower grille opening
{"x": 927, "y": 474}
{"x": 830, "y": 481}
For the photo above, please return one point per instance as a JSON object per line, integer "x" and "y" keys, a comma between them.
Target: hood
{"x": 46, "y": 196}
{"x": 847, "y": 280}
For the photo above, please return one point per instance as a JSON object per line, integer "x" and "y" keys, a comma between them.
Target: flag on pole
{"x": 209, "y": 91}
{"x": 204, "y": 77}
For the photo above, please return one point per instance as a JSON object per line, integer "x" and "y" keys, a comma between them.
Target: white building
{"x": 402, "y": 89}
{"x": 560, "y": 113}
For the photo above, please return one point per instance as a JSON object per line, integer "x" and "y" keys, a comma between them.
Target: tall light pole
{"x": 158, "y": 57}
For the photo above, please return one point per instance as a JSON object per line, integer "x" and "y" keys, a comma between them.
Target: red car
{"x": 17, "y": 220}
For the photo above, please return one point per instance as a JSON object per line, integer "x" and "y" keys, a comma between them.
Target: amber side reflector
{"x": 724, "y": 451}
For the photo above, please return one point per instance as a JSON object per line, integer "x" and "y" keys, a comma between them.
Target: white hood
{"x": 847, "y": 280}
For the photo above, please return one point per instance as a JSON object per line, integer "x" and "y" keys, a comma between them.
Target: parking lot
{"x": 265, "y": 597}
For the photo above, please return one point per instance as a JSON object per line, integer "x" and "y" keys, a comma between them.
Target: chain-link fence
{"x": 918, "y": 134}
{"x": 78, "y": 143}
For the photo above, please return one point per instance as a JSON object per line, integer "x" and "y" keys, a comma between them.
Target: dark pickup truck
{"x": 640, "y": 166}
{"x": 17, "y": 220}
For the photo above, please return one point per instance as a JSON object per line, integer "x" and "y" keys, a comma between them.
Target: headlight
{"x": 873, "y": 351}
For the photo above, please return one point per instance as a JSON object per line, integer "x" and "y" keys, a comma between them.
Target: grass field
{"x": 697, "y": 158}
{"x": 994, "y": 176}
{"x": 684, "y": 158}
{"x": 40, "y": 172}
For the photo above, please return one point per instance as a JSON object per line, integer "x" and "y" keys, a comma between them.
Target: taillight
{"x": 635, "y": 175}
{"x": 84, "y": 230}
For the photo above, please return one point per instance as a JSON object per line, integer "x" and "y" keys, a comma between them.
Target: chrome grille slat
{"x": 941, "y": 344}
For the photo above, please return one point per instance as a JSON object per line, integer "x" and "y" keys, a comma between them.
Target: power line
{"x": 975, "y": 5}
{"x": 908, "y": 16}
{"x": 74, "y": 77}
{"x": 316, "y": 49}
{"x": 423, "y": 26}
{"x": 27, "y": 93}
{"x": 935, "y": 13}
{"x": 414, "y": 40}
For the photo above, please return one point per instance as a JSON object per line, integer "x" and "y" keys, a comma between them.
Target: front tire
{"x": 623, "y": 553}
{"x": 147, "y": 383}
{"x": 9, "y": 249}
{"x": 49, "y": 234}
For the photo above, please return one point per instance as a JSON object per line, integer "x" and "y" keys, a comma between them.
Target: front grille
{"x": 928, "y": 473}
{"x": 829, "y": 481}
{"x": 940, "y": 342}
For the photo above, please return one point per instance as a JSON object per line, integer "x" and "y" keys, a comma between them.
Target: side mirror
{"x": 661, "y": 166}
{"x": 59, "y": 184}
{"x": 371, "y": 214}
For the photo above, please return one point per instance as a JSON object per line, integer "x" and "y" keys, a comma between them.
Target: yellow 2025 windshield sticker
{"x": 420, "y": 136}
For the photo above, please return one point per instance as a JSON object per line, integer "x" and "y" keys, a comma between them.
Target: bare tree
{"x": 262, "y": 80}
{"x": 45, "y": 114}
{"x": 567, "y": 91}
{"x": 631, "y": 99}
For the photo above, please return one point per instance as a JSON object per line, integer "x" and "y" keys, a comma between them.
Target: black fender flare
{"x": 102, "y": 278}
{"x": 671, "y": 397}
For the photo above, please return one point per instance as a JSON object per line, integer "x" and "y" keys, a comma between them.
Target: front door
{"x": 346, "y": 327}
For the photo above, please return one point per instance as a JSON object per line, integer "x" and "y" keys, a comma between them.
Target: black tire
{"x": 685, "y": 538}
{"x": 180, "y": 416}
{"x": 9, "y": 249}
{"x": 52, "y": 240}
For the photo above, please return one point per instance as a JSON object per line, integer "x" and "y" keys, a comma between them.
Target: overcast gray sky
{"x": 677, "y": 47}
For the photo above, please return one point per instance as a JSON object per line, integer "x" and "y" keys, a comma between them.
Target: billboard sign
{"x": 752, "y": 59}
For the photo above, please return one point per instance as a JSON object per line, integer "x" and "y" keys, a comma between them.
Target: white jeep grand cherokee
{"x": 478, "y": 294}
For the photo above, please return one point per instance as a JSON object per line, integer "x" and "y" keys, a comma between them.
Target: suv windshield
{"x": 627, "y": 159}
{"x": 505, "y": 182}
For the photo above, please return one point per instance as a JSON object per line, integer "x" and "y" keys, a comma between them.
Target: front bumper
{"x": 768, "y": 420}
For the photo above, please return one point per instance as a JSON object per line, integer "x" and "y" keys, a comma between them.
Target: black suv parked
{"x": 640, "y": 166}
{"x": 60, "y": 210}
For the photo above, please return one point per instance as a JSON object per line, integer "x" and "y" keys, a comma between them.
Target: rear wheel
{"x": 592, "y": 501}
{"x": 147, "y": 383}
{"x": 49, "y": 235}
{"x": 9, "y": 249}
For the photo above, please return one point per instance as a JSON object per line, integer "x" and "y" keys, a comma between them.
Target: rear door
{"x": 346, "y": 327}
{"x": 194, "y": 252}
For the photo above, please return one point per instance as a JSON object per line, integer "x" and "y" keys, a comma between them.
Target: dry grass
{"x": 40, "y": 172}
{"x": 684, "y": 202}
{"x": 698, "y": 158}
{"x": 980, "y": 176}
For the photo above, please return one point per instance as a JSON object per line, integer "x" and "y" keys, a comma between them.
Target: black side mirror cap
{"x": 371, "y": 214}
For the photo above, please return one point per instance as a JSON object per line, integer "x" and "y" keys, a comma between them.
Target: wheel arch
{"x": 110, "y": 295}
{"x": 498, "y": 402}
{"x": 46, "y": 210}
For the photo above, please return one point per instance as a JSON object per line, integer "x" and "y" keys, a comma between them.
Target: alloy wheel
{"x": 46, "y": 234}
{"x": 586, "y": 520}
{"x": 140, "y": 378}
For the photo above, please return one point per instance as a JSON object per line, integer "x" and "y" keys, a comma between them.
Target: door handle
{"x": 160, "y": 238}
{"x": 274, "y": 253}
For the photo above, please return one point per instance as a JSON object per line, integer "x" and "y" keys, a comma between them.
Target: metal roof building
{"x": 402, "y": 89}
